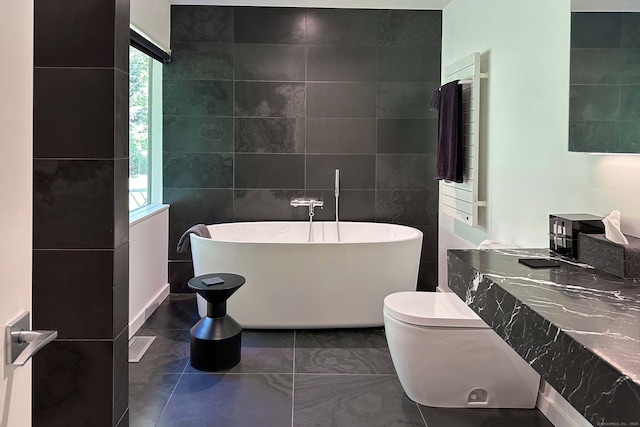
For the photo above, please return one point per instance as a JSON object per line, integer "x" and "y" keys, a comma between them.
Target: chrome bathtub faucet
{"x": 312, "y": 203}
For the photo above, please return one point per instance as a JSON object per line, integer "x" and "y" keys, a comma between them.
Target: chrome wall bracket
{"x": 21, "y": 343}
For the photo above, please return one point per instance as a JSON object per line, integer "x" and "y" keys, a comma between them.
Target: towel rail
{"x": 460, "y": 200}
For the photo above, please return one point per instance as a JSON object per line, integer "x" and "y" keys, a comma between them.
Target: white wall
{"x": 153, "y": 19}
{"x": 148, "y": 260}
{"x": 16, "y": 93}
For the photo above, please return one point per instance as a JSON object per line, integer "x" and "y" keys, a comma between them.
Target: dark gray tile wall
{"x": 263, "y": 104}
{"x": 80, "y": 214}
{"x": 604, "y": 108}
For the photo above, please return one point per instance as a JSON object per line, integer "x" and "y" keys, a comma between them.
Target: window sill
{"x": 145, "y": 212}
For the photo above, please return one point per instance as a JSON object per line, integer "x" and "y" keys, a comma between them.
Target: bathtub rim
{"x": 419, "y": 234}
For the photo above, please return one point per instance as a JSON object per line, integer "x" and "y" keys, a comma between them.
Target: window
{"x": 140, "y": 77}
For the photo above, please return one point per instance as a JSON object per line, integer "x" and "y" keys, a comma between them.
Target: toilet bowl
{"x": 446, "y": 356}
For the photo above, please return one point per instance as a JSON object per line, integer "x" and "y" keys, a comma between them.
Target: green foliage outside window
{"x": 139, "y": 73}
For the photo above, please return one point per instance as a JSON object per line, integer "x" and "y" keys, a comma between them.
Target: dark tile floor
{"x": 342, "y": 378}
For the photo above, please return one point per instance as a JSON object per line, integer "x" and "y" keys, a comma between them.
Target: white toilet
{"x": 446, "y": 356}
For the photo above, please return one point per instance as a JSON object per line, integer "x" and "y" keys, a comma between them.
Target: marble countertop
{"x": 577, "y": 326}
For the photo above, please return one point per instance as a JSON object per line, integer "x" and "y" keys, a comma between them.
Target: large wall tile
{"x": 595, "y": 66}
{"x": 200, "y": 61}
{"x": 406, "y": 100}
{"x": 66, "y": 35}
{"x": 267, "y": 205}
{"x": 76, "y": 199}
{"x": 67, "y": 121}
{"x": 428, "y": 276}
{"x": 405, "y": 172}
{"x": 179, "y": 274}
{"x": 342, "y": 27}
{"x": 201, "y": 134}
{"x": 197, "y": 170}
{"x": 592, "y": 136}
{"x": 121, "y": 126}
{"x": 269, "y": 62}
{"x": 407, "y": 136}
{"x": 594, "y": 102}
{"x": 284, "y": 171}
{"x": 407, "y": 206}
{"x": 197, "y": 97}
{"x": 630, "y": 102}
{"x": 353, "y": 205}
{"x": 270, "y": 25}
{"x": 120, "y": 202}
{"x": 341, "y": 136}
{"x": 630, "y": 32}
{"x": 630, "y": 66}
{"x": 267, "y": 99}
{"x": 201, "y": 24}
{"x": 356, "y": 171}
{"x": 409, "y": 64}
{"x": 341, "y": 100}
{"x": 281, "y": 135}
{"x": 629, "y": 136}
{"x": 608, "y": 34}
{"x": 74, "y": 377}
{"x": 121, "y": 378}
{"x": 89, "y": 284}
{"x": 342, "y": 63}
{"x": 410, "y": 27}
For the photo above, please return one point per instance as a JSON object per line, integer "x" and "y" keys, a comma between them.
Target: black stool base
{"x": 215, "y": 344}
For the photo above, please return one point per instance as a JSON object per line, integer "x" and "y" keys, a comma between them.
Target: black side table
{"x": 216, "y": 338}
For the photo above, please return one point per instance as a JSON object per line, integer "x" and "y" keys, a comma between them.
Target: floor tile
{"x": 178, "y": 311}
{"x": 263, "y": 352}
{"x": 168, "y": 354}
{"x": 230, "y": 400}
{"x": 353, "y": 401}
{"x": 477, "y": 417}
{"x": 356, "y": 351}
{"x": 148, "y": 395}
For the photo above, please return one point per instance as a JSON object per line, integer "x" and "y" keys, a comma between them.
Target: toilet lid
{"x": 432, "y": 309}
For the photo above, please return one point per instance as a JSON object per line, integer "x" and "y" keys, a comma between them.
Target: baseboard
{"x": 142, "y": 317}
{"x": 557, "y": 409}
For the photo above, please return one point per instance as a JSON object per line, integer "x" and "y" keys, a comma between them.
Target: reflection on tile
{"x": 410, "y": 27}
{"x": 197, "y": 97}
{"x": 594, "y": 102}
{"x": 279, "y": 135}
{"x": 267, "y": 99}
{"x": 201, "y": 24}
{"x": 70, "y": 197}
{"x": 630, "y": 68}
{"x": 179, "y": 273}
{"x": 475, "y": 417}
{"x": 630, "y": 33}
{"x": 407, "y": 136}
{"x": 427, "y": 276}
{"x": 239, "y": 400}
{"x": 406, "y": 100}
{"x": 630, "y": 102}
{"x": 168, "y": 354}
{"x": 263, "y": 352}
{"x": 429, "y": 241}
{"x": 608, "y": 34}
{"x": 343, "y": 401}
{"x": 596, "y": 66}
{"x": 354, "y": 205}
{"x": 407, "y": 207}
{"x": 593, "y": 136}
{"x": 341, "y": 100}
{"x": 341, "y": 136}
{"x": 360, "y": 351}
{"x": 269, "y": 62}
{"x": 342, "y": 63}
{"x": 266, "y": 205}
{"x": 269, "y": 171}
{"x": 342, "y": 27}
{"x": 409, "y": 64}
{"x": 356, "y": 171}
{"x": 406, "y": 172}
{"x": 270, "y": 25}
{"x": 199, "y": 61}
{"x": 201, "y": 134}
{"x": 206, "y": 170}
{"x": 629, "y": 137}
{"x": 146, "y": 406}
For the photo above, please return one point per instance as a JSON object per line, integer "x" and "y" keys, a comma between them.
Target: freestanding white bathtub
{"x": 292, "y": 283}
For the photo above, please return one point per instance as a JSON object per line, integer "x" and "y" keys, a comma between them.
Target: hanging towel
{"x": 450, "y": 151}
{"x": 184, "y": 244}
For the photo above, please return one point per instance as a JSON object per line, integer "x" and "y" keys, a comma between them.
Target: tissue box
{"x": 613, "y": 258}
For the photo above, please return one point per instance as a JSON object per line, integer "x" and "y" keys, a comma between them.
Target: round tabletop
{"x": 230, "y": 282}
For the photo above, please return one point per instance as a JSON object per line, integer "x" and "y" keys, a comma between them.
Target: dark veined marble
{"x": 577, "y": 327}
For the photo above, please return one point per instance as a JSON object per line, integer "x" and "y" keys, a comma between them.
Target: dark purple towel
{"x": 450, "y": 152}
{"x": 184, "y": 244}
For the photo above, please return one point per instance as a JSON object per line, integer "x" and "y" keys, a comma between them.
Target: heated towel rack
{"x": 460, "y": 200}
